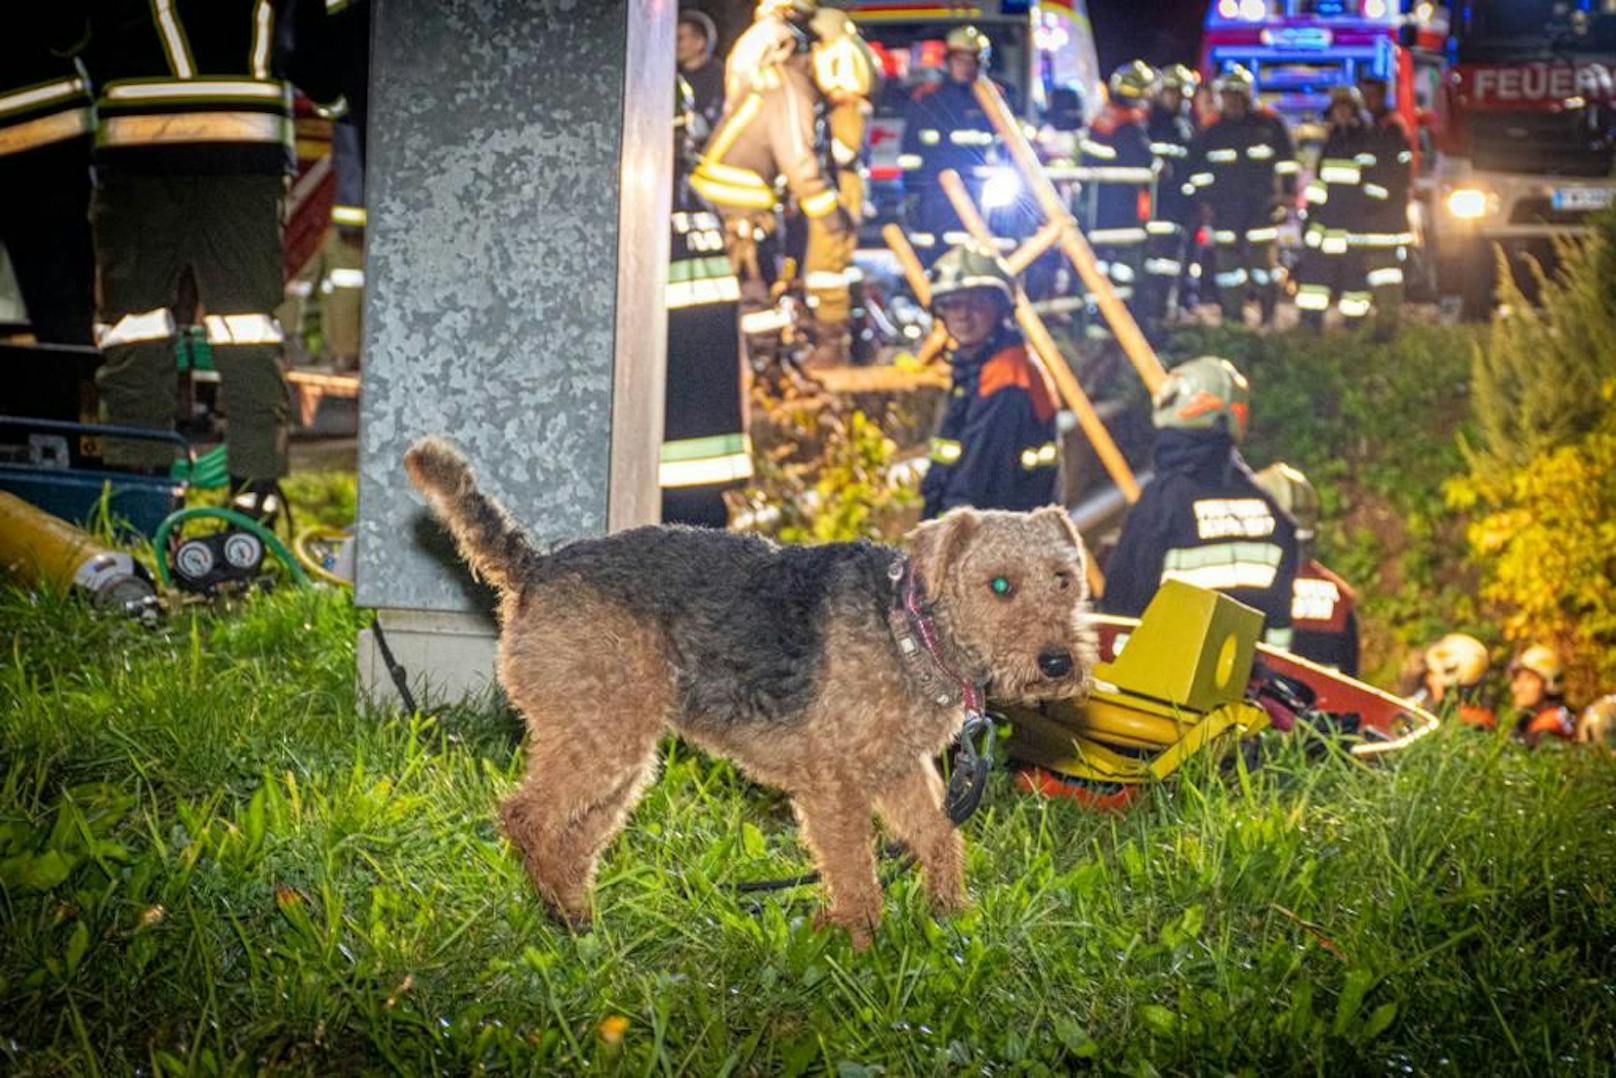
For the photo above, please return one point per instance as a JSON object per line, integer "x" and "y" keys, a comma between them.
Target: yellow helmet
{"x": 970, "y": 39}
{"x": 1457, "y": 661}
{"x": 1295, "y": 496}
{"x": 1132, "y": 82}
{"x": 1598, "y": 722}
{"x": 843, "y": 63}
{"x": 1181, "y": 78}
{"x": 1204, "y": 393}
{"x": 1237, "y": 80}
{"x": 1543, "y": 661}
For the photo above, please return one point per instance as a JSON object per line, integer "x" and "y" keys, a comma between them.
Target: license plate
{"x": 1583, "y": 198}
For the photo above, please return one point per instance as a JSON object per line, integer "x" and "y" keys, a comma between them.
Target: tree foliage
{"x": 1537, "y": 378}
{"x": 1541, "y": 491}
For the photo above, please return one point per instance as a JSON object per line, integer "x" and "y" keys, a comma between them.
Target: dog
{"x": 836, "y": 673}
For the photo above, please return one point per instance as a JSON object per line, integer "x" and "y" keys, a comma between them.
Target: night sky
{"x": 1158, "y": 31}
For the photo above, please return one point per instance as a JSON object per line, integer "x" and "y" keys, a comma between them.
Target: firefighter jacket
{"x": 1204, "y": 520}
{"x": 1324, "y": 619}
{"x": 944, "y": 128}
{"x": 45, "y": 99}
{"x": 995, "y": 447}
{"x": 1171, "y": 134}
{"x": 1551, "y": 719}
{"x": 1239, "y": 168}
{"x": 1117, "y": 142}
{"x": 707, "y": 87}
{"x": 1336, "y": 207}
{"x": 773, "y": 126}
{"x": 1389, "y": 160}
{"x": 188, "y": 86}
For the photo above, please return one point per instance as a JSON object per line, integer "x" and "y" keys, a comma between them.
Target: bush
{"x": 1538, "y": 378}
{"x": 1547, "y": 545}
{"x": 1543, "y": 482}
{"x": 826, "y": 472}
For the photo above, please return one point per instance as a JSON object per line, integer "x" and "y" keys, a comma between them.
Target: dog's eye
{"x": 1064, "y": 580}
{"x": 1001, "y": 586}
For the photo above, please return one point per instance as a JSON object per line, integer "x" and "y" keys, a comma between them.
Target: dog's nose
{"x": 1055, "y": 663}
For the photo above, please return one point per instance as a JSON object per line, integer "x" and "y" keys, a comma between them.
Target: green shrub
{"x": 1542, "y": 483}
{"x": 1538, "y": 377}
{"x": 1546, "y": 539}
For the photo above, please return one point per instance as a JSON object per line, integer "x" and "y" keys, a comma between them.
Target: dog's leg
{"x": 835, "y": 823}
{"x": 570, "y": 806}
{"x": 912, "y": 807}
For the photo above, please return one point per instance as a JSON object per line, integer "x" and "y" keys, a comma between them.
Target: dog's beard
{"x": 1019, "y": 680}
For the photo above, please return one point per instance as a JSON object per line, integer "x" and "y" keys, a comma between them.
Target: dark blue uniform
{"x": 944, "y": 128}
{"x": 1174, "y": 219}
{"x": 1204, "y": 520}
{"x": 995, "y": 448}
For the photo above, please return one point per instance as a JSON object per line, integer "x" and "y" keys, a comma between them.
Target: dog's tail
{"x": 492, "y": 544}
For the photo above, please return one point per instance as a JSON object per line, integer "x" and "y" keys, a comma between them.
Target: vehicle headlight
{"x": 1001, "y": 189}
{"x": 1469, "y": 203}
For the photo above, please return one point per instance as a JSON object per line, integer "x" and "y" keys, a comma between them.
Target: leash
{"x": 969, "y": 779}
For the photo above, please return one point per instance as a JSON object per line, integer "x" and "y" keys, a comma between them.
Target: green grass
{"x": 211, "y": 859}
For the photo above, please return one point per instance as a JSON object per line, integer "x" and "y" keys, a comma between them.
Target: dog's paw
{"x": 859, "y": 928}
{"x": 950, "y": 903}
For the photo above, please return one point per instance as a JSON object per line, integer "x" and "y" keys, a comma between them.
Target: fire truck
{"x": 1043, "y": 58}
{"x": 1528, "y": 143}
{"x": 1299, "y": 49}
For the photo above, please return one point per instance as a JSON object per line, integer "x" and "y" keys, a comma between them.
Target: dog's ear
{"x": 1054, "y": 520}
{"x": 936, "y": 544}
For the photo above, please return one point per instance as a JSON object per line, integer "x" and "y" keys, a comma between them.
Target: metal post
{"x": 517, "y": 256}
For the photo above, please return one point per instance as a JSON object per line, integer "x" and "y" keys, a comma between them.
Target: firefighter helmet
{"x": 1457, "y": 661}
{"x": 1236, "y": 80}
{"x": 970, "y": 266}
{"x": 1294, "y": 495}
{"x": 1181, "y": 78}
{"x": 1132, "y": 82}
{"x": 1598, "y": 722}
{"x": 970, "y": 39}
{"x": 1543, "y": 661}
{"x": 844, "y": 65}
{"x": 1348, "y": 94}
{"x": 704, "y": 25}
{"x": 805, "y": 9}
{"x": 1205, "y": 393}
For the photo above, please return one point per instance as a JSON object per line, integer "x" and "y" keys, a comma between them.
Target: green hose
{"x": 229, "y": 516}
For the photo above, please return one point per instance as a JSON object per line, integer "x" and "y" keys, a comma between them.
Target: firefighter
{"x": 1535, "y": 690}
{"x": 705, "y": 448}
{"x": 772, "y": 128}
{"x": 193, "y": 145}
{"x": 995, "y": 447}
{"x": 1324, "y": 615}
{"x": 1171, "y": 260}
{"x": 1455, "y": 666}
{"x": 945, "y": 128}
{"x": 696, "y": 39}
{"x": 847, "y": 73}
{"x": 1204, "y": 519}
{"x": 1240, "y": 167}
{"x": 1332, "y": 266}
{"x": 1387, "y": 186}
{"x": 1118, "y": 142}
{"x": 46, "y": 120}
